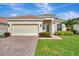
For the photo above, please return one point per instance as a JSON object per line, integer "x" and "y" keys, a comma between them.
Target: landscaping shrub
{"x": 44, "y": 34}
{"x": 7, "y": 34}
{"x": 41, "y": 34}
{"x": 64, "y": 33}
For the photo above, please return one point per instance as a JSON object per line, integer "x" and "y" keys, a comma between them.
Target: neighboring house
{"x": 76, "y": 26}
{"x": 3, "y": 25}
{"x": 32, "y": 25}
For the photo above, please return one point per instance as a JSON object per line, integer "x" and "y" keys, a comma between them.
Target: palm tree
{"x": 69, "y": 24}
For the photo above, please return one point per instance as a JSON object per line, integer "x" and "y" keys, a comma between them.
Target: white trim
{"x": 53, "y": 28}
{"x": 24, "y": 22}
{"x": 49, "y": 19}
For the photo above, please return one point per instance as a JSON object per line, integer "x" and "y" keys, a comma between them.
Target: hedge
{"x": 44, "y": 34}
{"x": 64, "y": 33}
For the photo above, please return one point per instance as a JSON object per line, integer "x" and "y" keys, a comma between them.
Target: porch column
{"x": 40, "y": 28}
{"x": 53, "y": 27}
{"x": 9, "y": 28}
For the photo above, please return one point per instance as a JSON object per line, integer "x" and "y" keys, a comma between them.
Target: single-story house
{"x": 32, "y": 25}
{"x": 3, "y": 25}
{"x": 76, "y": 26}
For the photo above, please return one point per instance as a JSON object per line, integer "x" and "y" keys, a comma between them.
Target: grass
{"x": 68, "y": 46}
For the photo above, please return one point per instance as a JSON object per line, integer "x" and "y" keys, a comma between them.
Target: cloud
{"x": 62, "y": 6}
{"x": 13, "y": 6}
{"x": 13, "y": 15}
{"x": 46, "y": 8}
{"x": 68, "y": 15}
{"x": 16, "y": 6}
{"x": 43, "y": 8}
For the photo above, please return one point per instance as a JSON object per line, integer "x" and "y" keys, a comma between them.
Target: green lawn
{"x": 68, "y": 46}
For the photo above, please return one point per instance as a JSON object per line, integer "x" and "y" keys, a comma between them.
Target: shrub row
{"x": 64, "y": 33}
{"x": 45, "y": 34}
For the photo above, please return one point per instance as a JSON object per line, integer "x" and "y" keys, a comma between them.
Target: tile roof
{"x": 25, "y": 17}
{"x": 47, "y": 15}
{"x": 2, "y": 20}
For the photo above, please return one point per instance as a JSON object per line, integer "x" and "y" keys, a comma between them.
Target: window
{"x": 59, "y": 27}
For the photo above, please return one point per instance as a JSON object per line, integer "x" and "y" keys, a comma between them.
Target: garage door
{"x": 23, "y": 29}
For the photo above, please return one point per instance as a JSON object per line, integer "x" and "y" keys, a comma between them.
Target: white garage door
{"x": 23, "y": 29}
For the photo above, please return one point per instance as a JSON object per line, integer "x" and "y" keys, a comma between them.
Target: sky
{"x": 60, "y": 10}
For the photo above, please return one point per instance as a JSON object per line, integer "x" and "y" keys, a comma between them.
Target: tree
{"x": 69, "y": 24}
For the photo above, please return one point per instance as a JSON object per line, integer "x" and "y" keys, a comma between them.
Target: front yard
{"x": 68, "y": 46}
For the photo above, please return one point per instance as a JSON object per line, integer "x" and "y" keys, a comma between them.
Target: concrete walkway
{"x": 56, "y": 37}
{"x": 18, "y": 46}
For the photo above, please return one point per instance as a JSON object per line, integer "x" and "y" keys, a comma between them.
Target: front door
{"x": 45, "y": 28}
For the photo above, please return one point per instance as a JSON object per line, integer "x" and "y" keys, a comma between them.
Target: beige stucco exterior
{"x": 25, "y": 27}
{"x": 31, "y": 26}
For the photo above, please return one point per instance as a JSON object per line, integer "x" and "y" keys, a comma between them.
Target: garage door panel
{"x": 24, "y": 29}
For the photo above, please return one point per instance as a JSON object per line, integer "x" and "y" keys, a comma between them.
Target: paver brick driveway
{"x": 18, "y": 46}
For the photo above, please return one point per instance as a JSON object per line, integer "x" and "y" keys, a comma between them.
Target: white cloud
{"x": 44, "y": 8}
{"x": 68, "y": 15}
{"x": 13, "y": 15}
{"x": 62, "y": 6}
{"x": 17, "y": 8}
{"x": 14, "y": 6}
